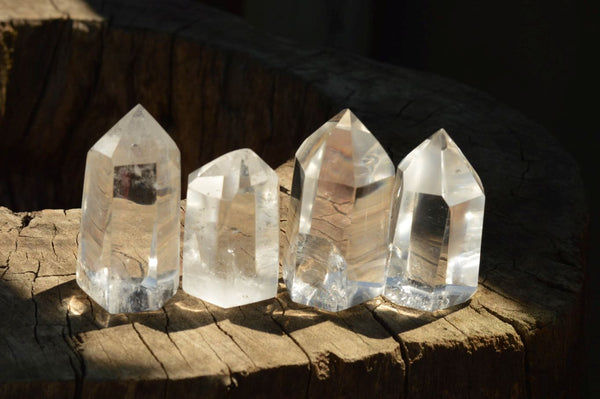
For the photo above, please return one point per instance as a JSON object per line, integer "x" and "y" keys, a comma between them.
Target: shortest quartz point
{"x": 436, "y": 227}
{"x": 231, "y": 239}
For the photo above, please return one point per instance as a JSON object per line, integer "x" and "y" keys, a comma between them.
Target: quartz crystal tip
{"x": 337, "y": 228}
{"x": 128, "y": 259}
{"x": 436, "y": 227}
{"x": 231, "y": 238}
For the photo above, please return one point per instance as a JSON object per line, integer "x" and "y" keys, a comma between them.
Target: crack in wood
{"x": 310, "y": 364}
{"x": 229, "y": 335}
{"x": 6, "y": 269}
{"x": 25, "y": 220}
{"x": 35, "y": 306}
{"x": 401, "y": 346}
{"x": 56, "y": 275}
{"x": 549, "y": 283}
{"x": 232, "y": 383}
{"x": 472, "y": 350}
{"x": 79, "y": 373}
{"x": 522, "y": 337}
{"x": 64, "y": 13}
{"x": 502, "y": 294}
{"x": 54, "y": 233}
{"x": 162, "y": 366}
{"x": 408, "y": 103}
{"x": 167, "y": 324}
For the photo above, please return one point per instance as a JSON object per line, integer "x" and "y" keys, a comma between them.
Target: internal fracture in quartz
{"x": 436, "y": 227}
{"x": 128, "y": 257}
{"x": 231, "y": 238}
{"x": 338, "y": 217}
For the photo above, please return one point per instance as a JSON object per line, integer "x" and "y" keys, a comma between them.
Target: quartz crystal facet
{"x": 436, "y": 227}
{"x": 231, "y": 238}
{"x": 338, "y": 217}
{"x": 129, "y": 238}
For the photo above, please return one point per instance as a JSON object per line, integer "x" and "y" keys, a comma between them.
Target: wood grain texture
{"x": 70, "y": 69}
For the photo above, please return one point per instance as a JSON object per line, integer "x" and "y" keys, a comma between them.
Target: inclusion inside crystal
{"x": 338, "y": 217}
{"x": 437, "y": 222}
{"x": 128, "y": 257}
{"x": 231, "y": 241}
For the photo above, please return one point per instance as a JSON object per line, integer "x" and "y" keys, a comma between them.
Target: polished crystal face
{"x": 338, "y": 216}
{"x": 231, "y": 239}
{"x": 129, "y": 239}
{"x": 436, "y": 227}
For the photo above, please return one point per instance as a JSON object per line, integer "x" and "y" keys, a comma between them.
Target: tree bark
{"x": 70, "y": 69}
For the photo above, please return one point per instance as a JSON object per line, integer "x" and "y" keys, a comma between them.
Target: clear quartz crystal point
{"x": 436, "y": 227}
{"x": 231, "y": 238}
{"x": 129, "y": 238}
{"x": 338, "y": 217}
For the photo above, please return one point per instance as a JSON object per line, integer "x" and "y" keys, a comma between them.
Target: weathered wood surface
{"x": 69, "y": 69}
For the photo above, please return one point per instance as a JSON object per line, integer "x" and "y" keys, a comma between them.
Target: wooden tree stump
{"x": 69, "y": 69}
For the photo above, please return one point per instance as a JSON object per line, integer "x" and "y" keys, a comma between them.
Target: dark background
{"x": 537, "y": 56}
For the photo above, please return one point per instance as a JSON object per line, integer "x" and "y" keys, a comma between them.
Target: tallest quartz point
{"x": 338, "y": 216}
{"x": 129, "y": 238}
